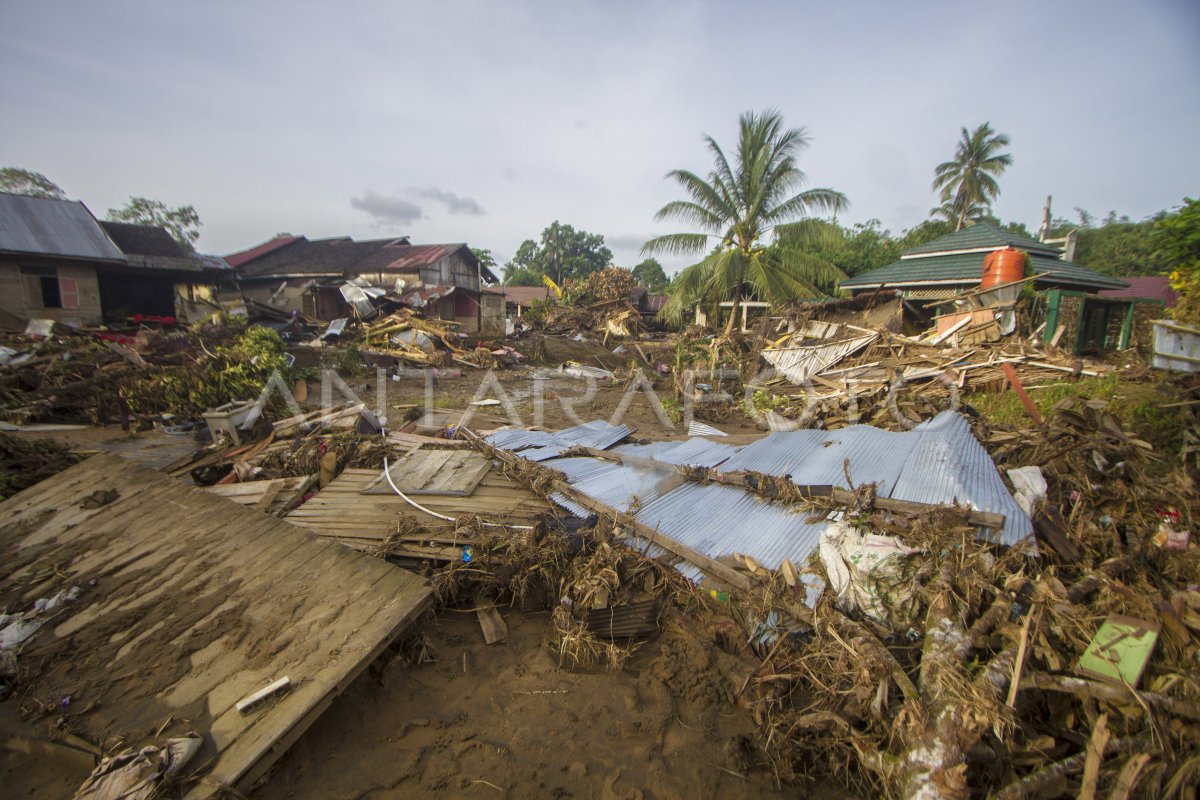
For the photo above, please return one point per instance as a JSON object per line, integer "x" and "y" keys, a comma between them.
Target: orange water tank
{"x": 1003, "y": 266}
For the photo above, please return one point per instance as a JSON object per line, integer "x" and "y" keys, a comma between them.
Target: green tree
{"x": 183, "y": 223}
{"x": 969, "y": 179}
{"x": 520, "y": 269}
{"x": 562, "y": 252}
{"x": 950, "y": 212}
{"x": 650, "y": 274}
{"x": 31, "y": 184}
{"x": 740, "y": 205}
{"x": 485, "y": 258}
{"x": 862, "y": 247}
{"x": 1177, "y": 242}
{"x": 927, "y": 231}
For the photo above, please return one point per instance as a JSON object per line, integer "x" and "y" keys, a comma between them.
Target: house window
{"x": 47, "y": 290}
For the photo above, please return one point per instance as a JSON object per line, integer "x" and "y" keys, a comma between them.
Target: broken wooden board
{"x": 188, "y": 603}
{"x": 275, "y": 497}
{"x": 341, "y": 511}
{"x": 492, "y": 624}
{"x": 429, "y": 471}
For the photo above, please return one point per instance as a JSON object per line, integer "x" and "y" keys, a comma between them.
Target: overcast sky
{"x": 484, "y": 121}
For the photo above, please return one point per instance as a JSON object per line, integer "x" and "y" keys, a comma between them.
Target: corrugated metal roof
{"x": 598, "y": 434}
{"x": 939, "y": 461}
{"x": 722, "y": 520}
{"x": 42, "y": 226}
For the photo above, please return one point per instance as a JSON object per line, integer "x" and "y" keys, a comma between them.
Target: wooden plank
{"x": 1011, "y": 374}
{"x": 494, "y": 629}
{"x": 268, "y": 497}
{"x": 461, "y": 476}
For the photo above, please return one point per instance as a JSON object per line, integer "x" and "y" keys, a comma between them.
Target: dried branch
{"x": 1051, "y": 774}
{"x": 1110, "y": 693}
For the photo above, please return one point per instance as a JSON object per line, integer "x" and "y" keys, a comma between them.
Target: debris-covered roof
{"x": 344, "y": 256}
{"x": 47, "y": 227}
{"x": 939, "y": 462}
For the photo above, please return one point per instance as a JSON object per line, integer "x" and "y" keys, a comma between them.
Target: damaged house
{"x": 59, "y": 262}
{"x": 322, "y": 278}
{"x": 972, "y": 275}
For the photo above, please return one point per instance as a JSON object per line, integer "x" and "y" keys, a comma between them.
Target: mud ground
{"x": 515, "y": 725}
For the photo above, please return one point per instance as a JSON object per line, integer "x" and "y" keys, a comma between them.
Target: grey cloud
{"x": 509, "y": 174}
{"x": 627, "y": 241}
{"x": 387, "y": 209}
{"x": 454, "y": 204}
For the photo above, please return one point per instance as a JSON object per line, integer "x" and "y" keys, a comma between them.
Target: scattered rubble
{"x": 860, "y": 586}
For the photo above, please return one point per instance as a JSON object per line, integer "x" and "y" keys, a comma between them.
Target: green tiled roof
{"x": 968, "y": 268}
{"x": 982, "y": 235}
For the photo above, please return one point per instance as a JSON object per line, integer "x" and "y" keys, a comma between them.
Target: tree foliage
{"x": 183, "y": 223}
{"x": 485, "y": 258}
{"x": 967, "y": 183}
{"x": 561, "y": 253}
{"x": 650, "y": 274}
{"x": 1118, "y": 246}
{"x": 1177, "y": 241}
{"x": 741, "y": 205}
{"x": 31, "y": 184}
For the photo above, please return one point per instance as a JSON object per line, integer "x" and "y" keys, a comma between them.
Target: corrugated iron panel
{"x": 519, "y": 438}
{"x": 723, "y": 520}
{"x": 1176, "y": 347}
{"x": 938, "y": 461}
{"x": 53, "y": 228}
{"x": 798, "y": 363}
{"x": 697, "y": 428}
{"x": 948, "y": 465}
{"x": 698, "y": 453}
{"x": 597, "y": 434}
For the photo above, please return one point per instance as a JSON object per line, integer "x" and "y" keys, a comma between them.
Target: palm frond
{"x": 676, "y": 244}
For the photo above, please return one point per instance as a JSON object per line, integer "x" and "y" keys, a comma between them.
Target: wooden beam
{"x": 1011, "y": 374}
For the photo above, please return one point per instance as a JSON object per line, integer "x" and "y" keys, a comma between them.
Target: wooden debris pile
{"x": 418, "y": 341}
{"x": 1072, "y": 672}
{"x": 599, "y": 303}
{"x": 890, "y": 378}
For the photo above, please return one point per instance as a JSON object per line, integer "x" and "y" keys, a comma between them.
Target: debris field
{"x": 266, "y": 556}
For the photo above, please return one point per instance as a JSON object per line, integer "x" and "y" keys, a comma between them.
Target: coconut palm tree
{"x": 736, "y": 210}
{"x": 968, "y": 180}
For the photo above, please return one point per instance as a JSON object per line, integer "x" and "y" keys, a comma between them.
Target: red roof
{"x": 239, "y": 258}
{"x": 1151, "y": 287}
{"x": 525, "y": 295}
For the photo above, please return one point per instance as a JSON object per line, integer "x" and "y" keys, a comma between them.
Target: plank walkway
{"x": 190, "y": 602}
